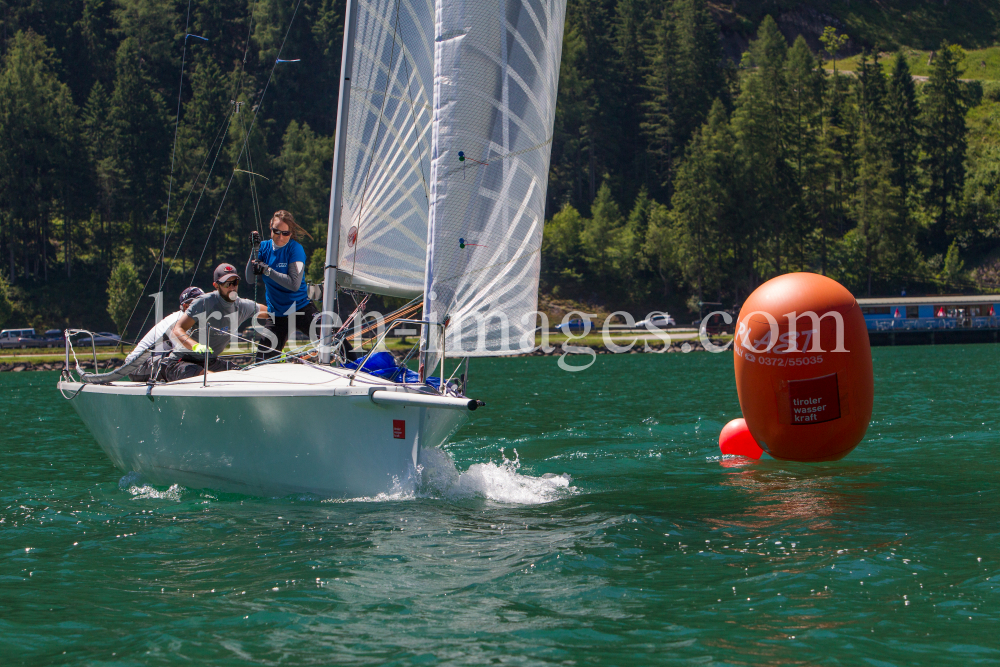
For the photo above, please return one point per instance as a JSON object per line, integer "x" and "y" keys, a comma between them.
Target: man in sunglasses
{"x": 147, "y": 360}
{"x": 208, "y": 326}
{"x": 281, "y": 262}
{"x": 158, "y": 337}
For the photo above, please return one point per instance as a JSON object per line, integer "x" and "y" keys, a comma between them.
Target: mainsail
{"x": 496, "y": 73}
{"x": 383, "y": 224}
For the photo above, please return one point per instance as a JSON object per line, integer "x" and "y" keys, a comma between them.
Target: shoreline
{"x": 555, "y": 350}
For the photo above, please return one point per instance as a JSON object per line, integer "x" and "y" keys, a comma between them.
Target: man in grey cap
{"x": 146, "y": 361}
{"x": 208, "y": 326}
{"x": 158, "y": 336}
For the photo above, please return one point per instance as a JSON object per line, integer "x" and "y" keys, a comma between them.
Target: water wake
{"x": 134, "y": 484}
{"x": 501, "y": 482}
{"x": 436, "y": 476}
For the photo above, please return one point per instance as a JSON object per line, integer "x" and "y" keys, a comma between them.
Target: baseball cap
{"x": 190, "y": 294}
{"x": 224, "y": 272}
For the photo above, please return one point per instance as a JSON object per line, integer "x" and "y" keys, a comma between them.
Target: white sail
{"x": 495, "y": 82}
{"x": 387, "y": 170}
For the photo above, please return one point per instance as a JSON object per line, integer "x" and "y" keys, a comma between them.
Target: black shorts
{"x": 179, "y": 369}
{"x": 145, "y": 371}
{"x": 279, "y": 328}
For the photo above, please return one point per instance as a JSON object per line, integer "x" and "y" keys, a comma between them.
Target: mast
{"x": 337, "y": 185}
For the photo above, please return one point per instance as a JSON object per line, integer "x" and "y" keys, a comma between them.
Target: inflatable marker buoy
{"x": 736, "y": 440}
{"x": 804, "y": 368}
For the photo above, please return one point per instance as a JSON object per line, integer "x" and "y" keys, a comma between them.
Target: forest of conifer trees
{"x": 681, "y": 171}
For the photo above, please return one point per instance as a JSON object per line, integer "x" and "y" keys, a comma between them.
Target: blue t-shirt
{"x": 279, "y": 299}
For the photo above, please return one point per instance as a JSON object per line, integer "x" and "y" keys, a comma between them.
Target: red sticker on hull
{"x": 399, "y": 429}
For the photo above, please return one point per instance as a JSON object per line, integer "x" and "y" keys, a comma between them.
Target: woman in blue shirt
{"x": 282, "y": 264}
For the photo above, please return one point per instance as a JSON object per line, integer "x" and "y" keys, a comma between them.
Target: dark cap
{"x": 190, "y": 294}
{"x": 224, "y": 272}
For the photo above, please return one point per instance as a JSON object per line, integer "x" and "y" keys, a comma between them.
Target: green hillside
{"x": 978, "y": 64}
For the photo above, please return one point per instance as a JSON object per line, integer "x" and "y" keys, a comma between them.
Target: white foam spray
{"x": 501, "y": 482}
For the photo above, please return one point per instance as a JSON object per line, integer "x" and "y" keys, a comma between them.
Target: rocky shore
{"x": 638, "y": 348}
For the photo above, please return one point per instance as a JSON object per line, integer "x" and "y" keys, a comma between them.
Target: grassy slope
{"x": 979, "y": 64}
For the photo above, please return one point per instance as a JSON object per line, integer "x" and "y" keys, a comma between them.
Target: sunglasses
{"x": 280, "y": 233}
{"x": 233, "y": 282}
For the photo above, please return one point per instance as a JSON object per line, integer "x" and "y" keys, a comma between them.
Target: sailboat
{"x": 443, "y": 138}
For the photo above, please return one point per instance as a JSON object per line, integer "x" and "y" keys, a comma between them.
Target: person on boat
{"x": 220, "y": 312}
{"x": 281, "y": 261}
{"x": 147, "y": 360}
{"x": 151, "y": 365}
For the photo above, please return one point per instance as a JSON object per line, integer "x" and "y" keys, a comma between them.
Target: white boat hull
{"x": 275, "y": 430}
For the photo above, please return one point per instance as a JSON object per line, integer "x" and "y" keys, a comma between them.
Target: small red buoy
{"x": 736, "y": 440}
{"x": 804, "y": 368}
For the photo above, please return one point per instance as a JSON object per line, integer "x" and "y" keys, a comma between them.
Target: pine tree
{"x": 97, "y": 136}
{"x": 6, "y": 307}
{"x": 699, "y": 77}
{"x": 834, "y": 166}
{"x": 156, "y": 32}
{"x": 561, "y": 247}
{"x": 944, "y": 141}
{"x": 762, "y": 124}
{"x": 805, "y": 86}
{"x": 630, "y": 35}
{"x": 139, "y": 143}
{"x": 599, "y": 235}
{"x": 305, "y": 163}
{"x": 661, "y": 249}
{"x": 902, "y": 138}
{"x": 37, "y": 131}
{"x": 96, "y": 28}
{"x": 660, "y": 113}
{"x": 124, "y": 290}
{"x": 702, "y": 205}
{"x": 597, "y": 62}
{"x": 951, "y": 274}
{"x": 687, "y": 75}
{"x": 568, "y": 170}
{"x": 628, "y": 251}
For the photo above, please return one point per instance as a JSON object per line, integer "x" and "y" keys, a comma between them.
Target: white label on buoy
{"x": 814, "y": 401}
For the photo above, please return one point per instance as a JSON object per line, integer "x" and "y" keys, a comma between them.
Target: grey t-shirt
{"x": 224, "y": 318}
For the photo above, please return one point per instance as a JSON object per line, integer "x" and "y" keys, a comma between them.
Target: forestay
{"x": 495, "y": 81}
{"x": 387, "y": 170}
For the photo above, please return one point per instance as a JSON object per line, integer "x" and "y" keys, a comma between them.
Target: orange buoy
{"x": 736, "y": 440}
{"x": 804, "y": 368}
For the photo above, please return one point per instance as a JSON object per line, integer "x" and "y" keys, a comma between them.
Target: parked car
{"x": 55, "y": 338}
{"x": 20, "y": 338}
{"x": 572, "y": 325}
{"x": 101, "y": 339}
{"x": 658, "y": 320}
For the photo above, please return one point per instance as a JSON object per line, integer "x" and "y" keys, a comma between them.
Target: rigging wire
{"x": 160, "y": 257}
{"x": 219, "y": 132}
{"x": 177, "y": 121}
{"x": 255, "y": 201}
{"x": 413, "y": 115}
{"x": 260, "y": 104}
{"x": 225, "y": 124}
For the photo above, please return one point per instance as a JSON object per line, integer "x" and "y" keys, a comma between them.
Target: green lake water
{"x": 615, "y": 535}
